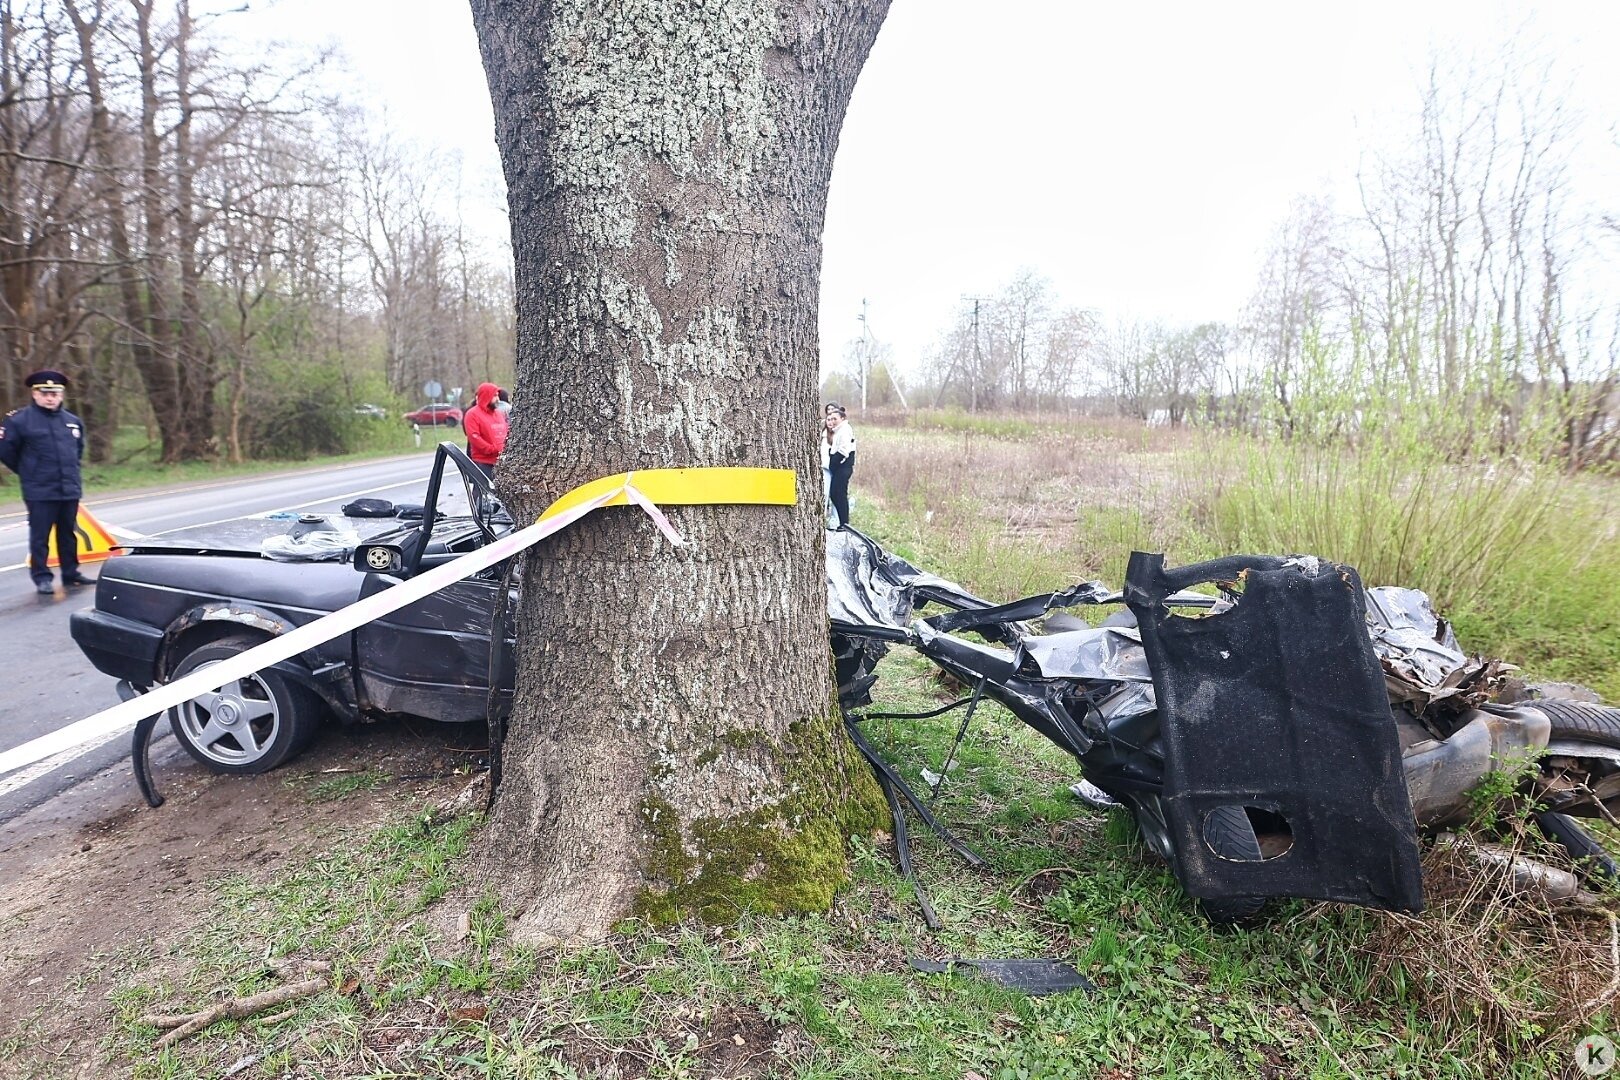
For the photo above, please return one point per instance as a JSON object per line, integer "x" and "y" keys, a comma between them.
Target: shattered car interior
{"x": 1273, "y": 728}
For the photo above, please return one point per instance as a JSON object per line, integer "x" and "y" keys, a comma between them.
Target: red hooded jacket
{"x": 485, "y": 426}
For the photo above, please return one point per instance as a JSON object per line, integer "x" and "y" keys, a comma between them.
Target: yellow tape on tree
{"x": 688, "y": 487}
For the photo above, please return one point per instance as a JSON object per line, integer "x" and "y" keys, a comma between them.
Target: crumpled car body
{"x": 1282, "y": 739}
{"x": 1286, "y": 733}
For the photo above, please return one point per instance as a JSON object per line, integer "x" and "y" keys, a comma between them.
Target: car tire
{"x": 1229, "y": 834}
{"x": 248, "y": 726}
{"x": 1580, "y": 721}
{"x": 1592, "y": 860}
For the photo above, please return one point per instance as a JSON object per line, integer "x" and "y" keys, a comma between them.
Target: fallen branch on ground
{"x": 1591, "y": 1007}
{"x": 185, "y": 1025}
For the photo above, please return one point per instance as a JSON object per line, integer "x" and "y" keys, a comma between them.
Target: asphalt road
{"x": 46, "y": 683}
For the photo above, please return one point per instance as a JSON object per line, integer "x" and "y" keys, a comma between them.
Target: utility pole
{"x": 866, "y": 354}
{"x": 978, "y": 364}
{"x": 867, "y": 343}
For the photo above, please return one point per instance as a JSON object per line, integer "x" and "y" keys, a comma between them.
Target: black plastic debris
{"x": 1274, "y": 709}
{"x": 369, "y": 508}
{"x": 141, "y": 755}
{"x": 898, "y": 794}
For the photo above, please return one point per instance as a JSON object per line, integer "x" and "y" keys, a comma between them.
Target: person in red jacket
{"x": 485, "y": 426}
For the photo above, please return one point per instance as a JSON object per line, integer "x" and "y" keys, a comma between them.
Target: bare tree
{"x": 1019, "y": 326}
{"x": 1454, "y": 275}
{"x": 1292, "y": 297}
{"x": 1017, "y": 350}
{"x": 1182, "y": 365}
{"x": 49, "y": 251}
{"x": 1070, "y": 358}
{"x": 185, "y": 222}
{"x": 1129, "y": 358}
{"x": 958, "y": 364}
{"x": 165, "y": 113}
{"x": 419, "y": 268}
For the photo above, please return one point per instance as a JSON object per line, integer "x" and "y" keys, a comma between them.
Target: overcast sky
{"x": 1138, "y": 156}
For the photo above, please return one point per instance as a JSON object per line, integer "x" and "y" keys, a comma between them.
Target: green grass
{"x": 984, "y": 424}
{"x": 1522, "y": 557}
{"x": 352, "y": 906}
{"x": 1308, "y": 994}
{"x": 340, "y": 786}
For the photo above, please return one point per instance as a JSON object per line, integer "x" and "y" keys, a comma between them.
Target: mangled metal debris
{"x": 1518, "y": 871}
{"x": 1289, "y": 734}
{"x": 1108, "y": 652}
{"x": 1423, "y": 664}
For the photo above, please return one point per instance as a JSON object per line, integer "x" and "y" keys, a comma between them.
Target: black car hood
{"x": 246, "y": 536}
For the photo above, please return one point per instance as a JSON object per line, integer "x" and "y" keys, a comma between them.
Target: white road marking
{"x": 236, "y": 517}
{"x": 23, "y": 777}
{"x": 22, "y": 514}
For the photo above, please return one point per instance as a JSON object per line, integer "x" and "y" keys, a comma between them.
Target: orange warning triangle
{"x": 95, "y": 542}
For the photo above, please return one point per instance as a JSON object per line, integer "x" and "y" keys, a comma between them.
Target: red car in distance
{"x": 436, "y": 414}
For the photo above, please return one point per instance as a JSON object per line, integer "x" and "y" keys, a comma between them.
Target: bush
{"x": 303, "y": 424}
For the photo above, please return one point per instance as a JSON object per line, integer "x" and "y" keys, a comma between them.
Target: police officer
{"x": 43, "y": 443}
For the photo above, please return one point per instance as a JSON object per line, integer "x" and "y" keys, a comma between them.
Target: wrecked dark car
{"x": 185, "y": 599}
{"x": 1283, "y": 732}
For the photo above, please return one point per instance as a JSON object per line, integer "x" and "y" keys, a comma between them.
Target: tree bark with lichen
{"x": 674, "y": 748}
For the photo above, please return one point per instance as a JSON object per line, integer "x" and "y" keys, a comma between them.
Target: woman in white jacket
{"x": 839, "y": 447}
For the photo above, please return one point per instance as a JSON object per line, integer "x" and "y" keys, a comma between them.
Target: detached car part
{"x": 1274, "y": 710}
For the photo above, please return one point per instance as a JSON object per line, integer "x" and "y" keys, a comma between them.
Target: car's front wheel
{"x": 249, "y": 725}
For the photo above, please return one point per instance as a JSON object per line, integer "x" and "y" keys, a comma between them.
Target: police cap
{"x": 46, "y": 380}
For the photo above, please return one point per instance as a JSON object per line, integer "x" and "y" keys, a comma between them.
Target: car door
{"x": 431, "y": 658}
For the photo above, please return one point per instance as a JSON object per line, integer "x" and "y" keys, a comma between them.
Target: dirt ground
{"x": 94, "y": 875}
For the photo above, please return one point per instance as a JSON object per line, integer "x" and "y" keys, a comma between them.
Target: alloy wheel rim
{"x": 234, "y": 725}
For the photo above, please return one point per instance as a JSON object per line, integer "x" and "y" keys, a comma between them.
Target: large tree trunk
{"x": 674, "y": 748}
{"x": 156, "y": 370}
{"x": 159, "y": 324}
{"x": 196, "y": 367}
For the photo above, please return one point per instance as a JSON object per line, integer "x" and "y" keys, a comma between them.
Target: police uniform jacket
{"x": 43, "y": 447}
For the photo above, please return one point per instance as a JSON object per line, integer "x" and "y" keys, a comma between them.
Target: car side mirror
{"x": 379, "y": 559}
